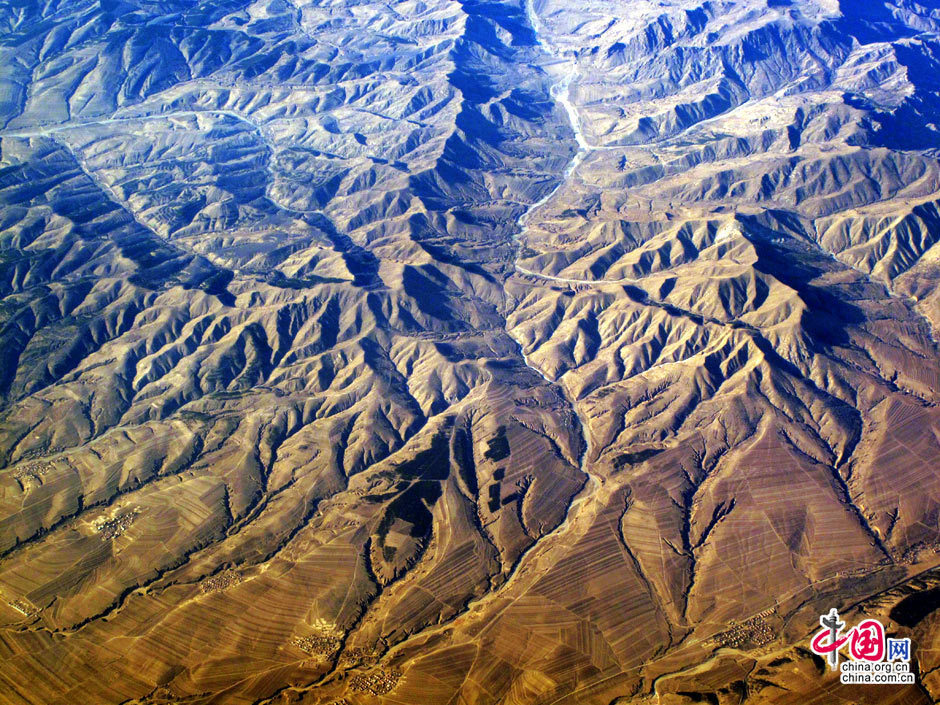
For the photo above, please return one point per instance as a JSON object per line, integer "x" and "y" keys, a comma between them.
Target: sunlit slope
{"x": 462, "y": 351}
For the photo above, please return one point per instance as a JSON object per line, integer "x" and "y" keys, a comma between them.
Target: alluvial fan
{"x": 467, "y": 351}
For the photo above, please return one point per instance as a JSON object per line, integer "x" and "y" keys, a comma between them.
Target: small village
{"x": 223, "y": 580}
{"x": 112, "y": 528}
{"x": 318, "y": 644}
{"x": 378, "y": 682}
{"x": 31, "y": 473}
{"x": 42, "y": 452}
{"x": 22, "y": 607}
{"x": 753, "y": 632}
{"x": 356, "y": 656}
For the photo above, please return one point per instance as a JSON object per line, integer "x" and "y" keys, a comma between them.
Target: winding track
{"x": 560, "y": 91}
{"x": 565, "y": 71}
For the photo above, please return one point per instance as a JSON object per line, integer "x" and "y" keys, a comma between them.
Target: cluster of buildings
{"x": 112, "y": 528}
{"x": 22, "y": 607}
{"x": 31, "y": 472}
{"x": 320, "y": 644}
{"x": 752, "y": 632}
{"x": 221, "y": 581}
{"x": 378, "y": 682}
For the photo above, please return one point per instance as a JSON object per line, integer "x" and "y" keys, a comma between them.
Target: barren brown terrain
{"x": 466, "y": 351}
